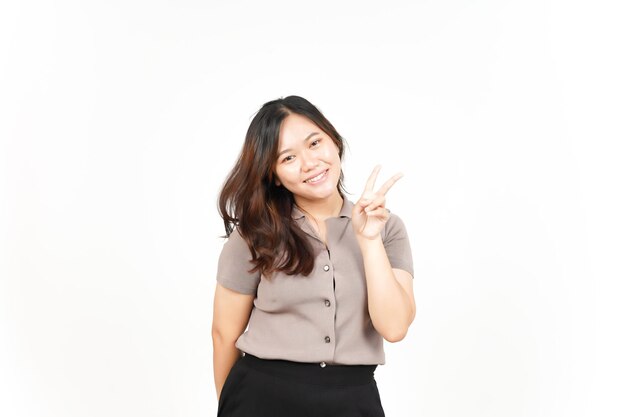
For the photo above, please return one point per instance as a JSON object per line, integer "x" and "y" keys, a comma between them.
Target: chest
{"x": 321, "y": 229}
{"x": 337, "y": 279}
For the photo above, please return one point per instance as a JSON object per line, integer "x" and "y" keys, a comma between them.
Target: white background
{"x": 119, "y": 120}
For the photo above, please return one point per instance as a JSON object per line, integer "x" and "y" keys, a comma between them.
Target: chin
{"x": 324, "y": 193}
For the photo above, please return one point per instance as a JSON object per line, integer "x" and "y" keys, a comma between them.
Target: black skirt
{"x": 258, "y": 387}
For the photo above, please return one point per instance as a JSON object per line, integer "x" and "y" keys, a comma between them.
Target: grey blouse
{"x": 322, "y": 317}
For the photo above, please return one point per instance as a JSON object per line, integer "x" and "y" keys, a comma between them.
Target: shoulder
{"x": 234, "y": 267}
{"x": 397, "y": 245}
{"x": 394, "y": 227}
{"x": 235, "y": 246}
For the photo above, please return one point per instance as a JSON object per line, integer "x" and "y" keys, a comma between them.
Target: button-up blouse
{"x": 322, "y": 317}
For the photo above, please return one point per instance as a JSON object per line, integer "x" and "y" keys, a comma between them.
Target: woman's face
{"x": 308, "y": 162}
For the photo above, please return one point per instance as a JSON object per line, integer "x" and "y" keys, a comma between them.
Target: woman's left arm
{"x": 390, "y": 297}
{"x": 389, "y": 292}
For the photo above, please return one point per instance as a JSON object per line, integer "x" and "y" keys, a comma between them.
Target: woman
{"x": 318, "y": 281}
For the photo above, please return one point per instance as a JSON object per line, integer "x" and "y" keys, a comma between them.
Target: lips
{"x": 316, "y": 177}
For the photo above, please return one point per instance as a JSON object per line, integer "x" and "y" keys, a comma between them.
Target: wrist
{"x": 368, "y": 240}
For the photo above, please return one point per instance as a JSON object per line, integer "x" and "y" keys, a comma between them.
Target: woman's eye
{"x": 288, "y": 158}
{"x": 315, "y": 142}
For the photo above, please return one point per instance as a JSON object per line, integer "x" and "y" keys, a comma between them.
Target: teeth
{"x": 316, "y": 178}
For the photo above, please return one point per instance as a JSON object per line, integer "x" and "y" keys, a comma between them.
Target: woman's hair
{"x": 261, "y": 210}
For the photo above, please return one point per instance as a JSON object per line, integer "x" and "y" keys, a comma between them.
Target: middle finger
{"x": 389, "y": 183}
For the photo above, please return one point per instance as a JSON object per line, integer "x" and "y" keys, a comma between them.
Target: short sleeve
{"x": 397, "y": 245}
{"x": 233, "y": 265}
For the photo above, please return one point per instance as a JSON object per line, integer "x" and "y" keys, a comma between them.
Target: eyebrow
{"x": 305, "y": 139}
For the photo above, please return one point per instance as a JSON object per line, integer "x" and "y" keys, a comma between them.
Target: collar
{"x": 346, "y": 210}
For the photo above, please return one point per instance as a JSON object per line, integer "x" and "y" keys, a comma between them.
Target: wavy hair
{"x": 251, "y": 201}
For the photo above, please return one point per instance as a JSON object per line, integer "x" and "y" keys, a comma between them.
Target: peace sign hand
{"x": 369, "y": 214}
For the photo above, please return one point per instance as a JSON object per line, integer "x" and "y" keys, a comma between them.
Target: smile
{"x": 319, "y": 177}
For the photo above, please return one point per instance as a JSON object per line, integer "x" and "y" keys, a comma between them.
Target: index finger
{"x": 369, "y": 186}
{"x": 391, "y": 181}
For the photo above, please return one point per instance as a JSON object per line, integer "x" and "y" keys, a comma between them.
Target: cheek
{"x": 287, "y": 173}
{"x": 332, "y": 153}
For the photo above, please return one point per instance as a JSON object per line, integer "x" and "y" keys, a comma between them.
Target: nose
{"x": 309, "y": 161}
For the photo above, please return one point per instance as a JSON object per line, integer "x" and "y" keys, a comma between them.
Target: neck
{"x": 321, "y": 209}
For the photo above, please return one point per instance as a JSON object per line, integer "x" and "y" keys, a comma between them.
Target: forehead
{"x": 294, "y": 129}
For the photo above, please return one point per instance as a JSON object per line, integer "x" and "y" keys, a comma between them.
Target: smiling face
{"x": 308, "y": 162}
